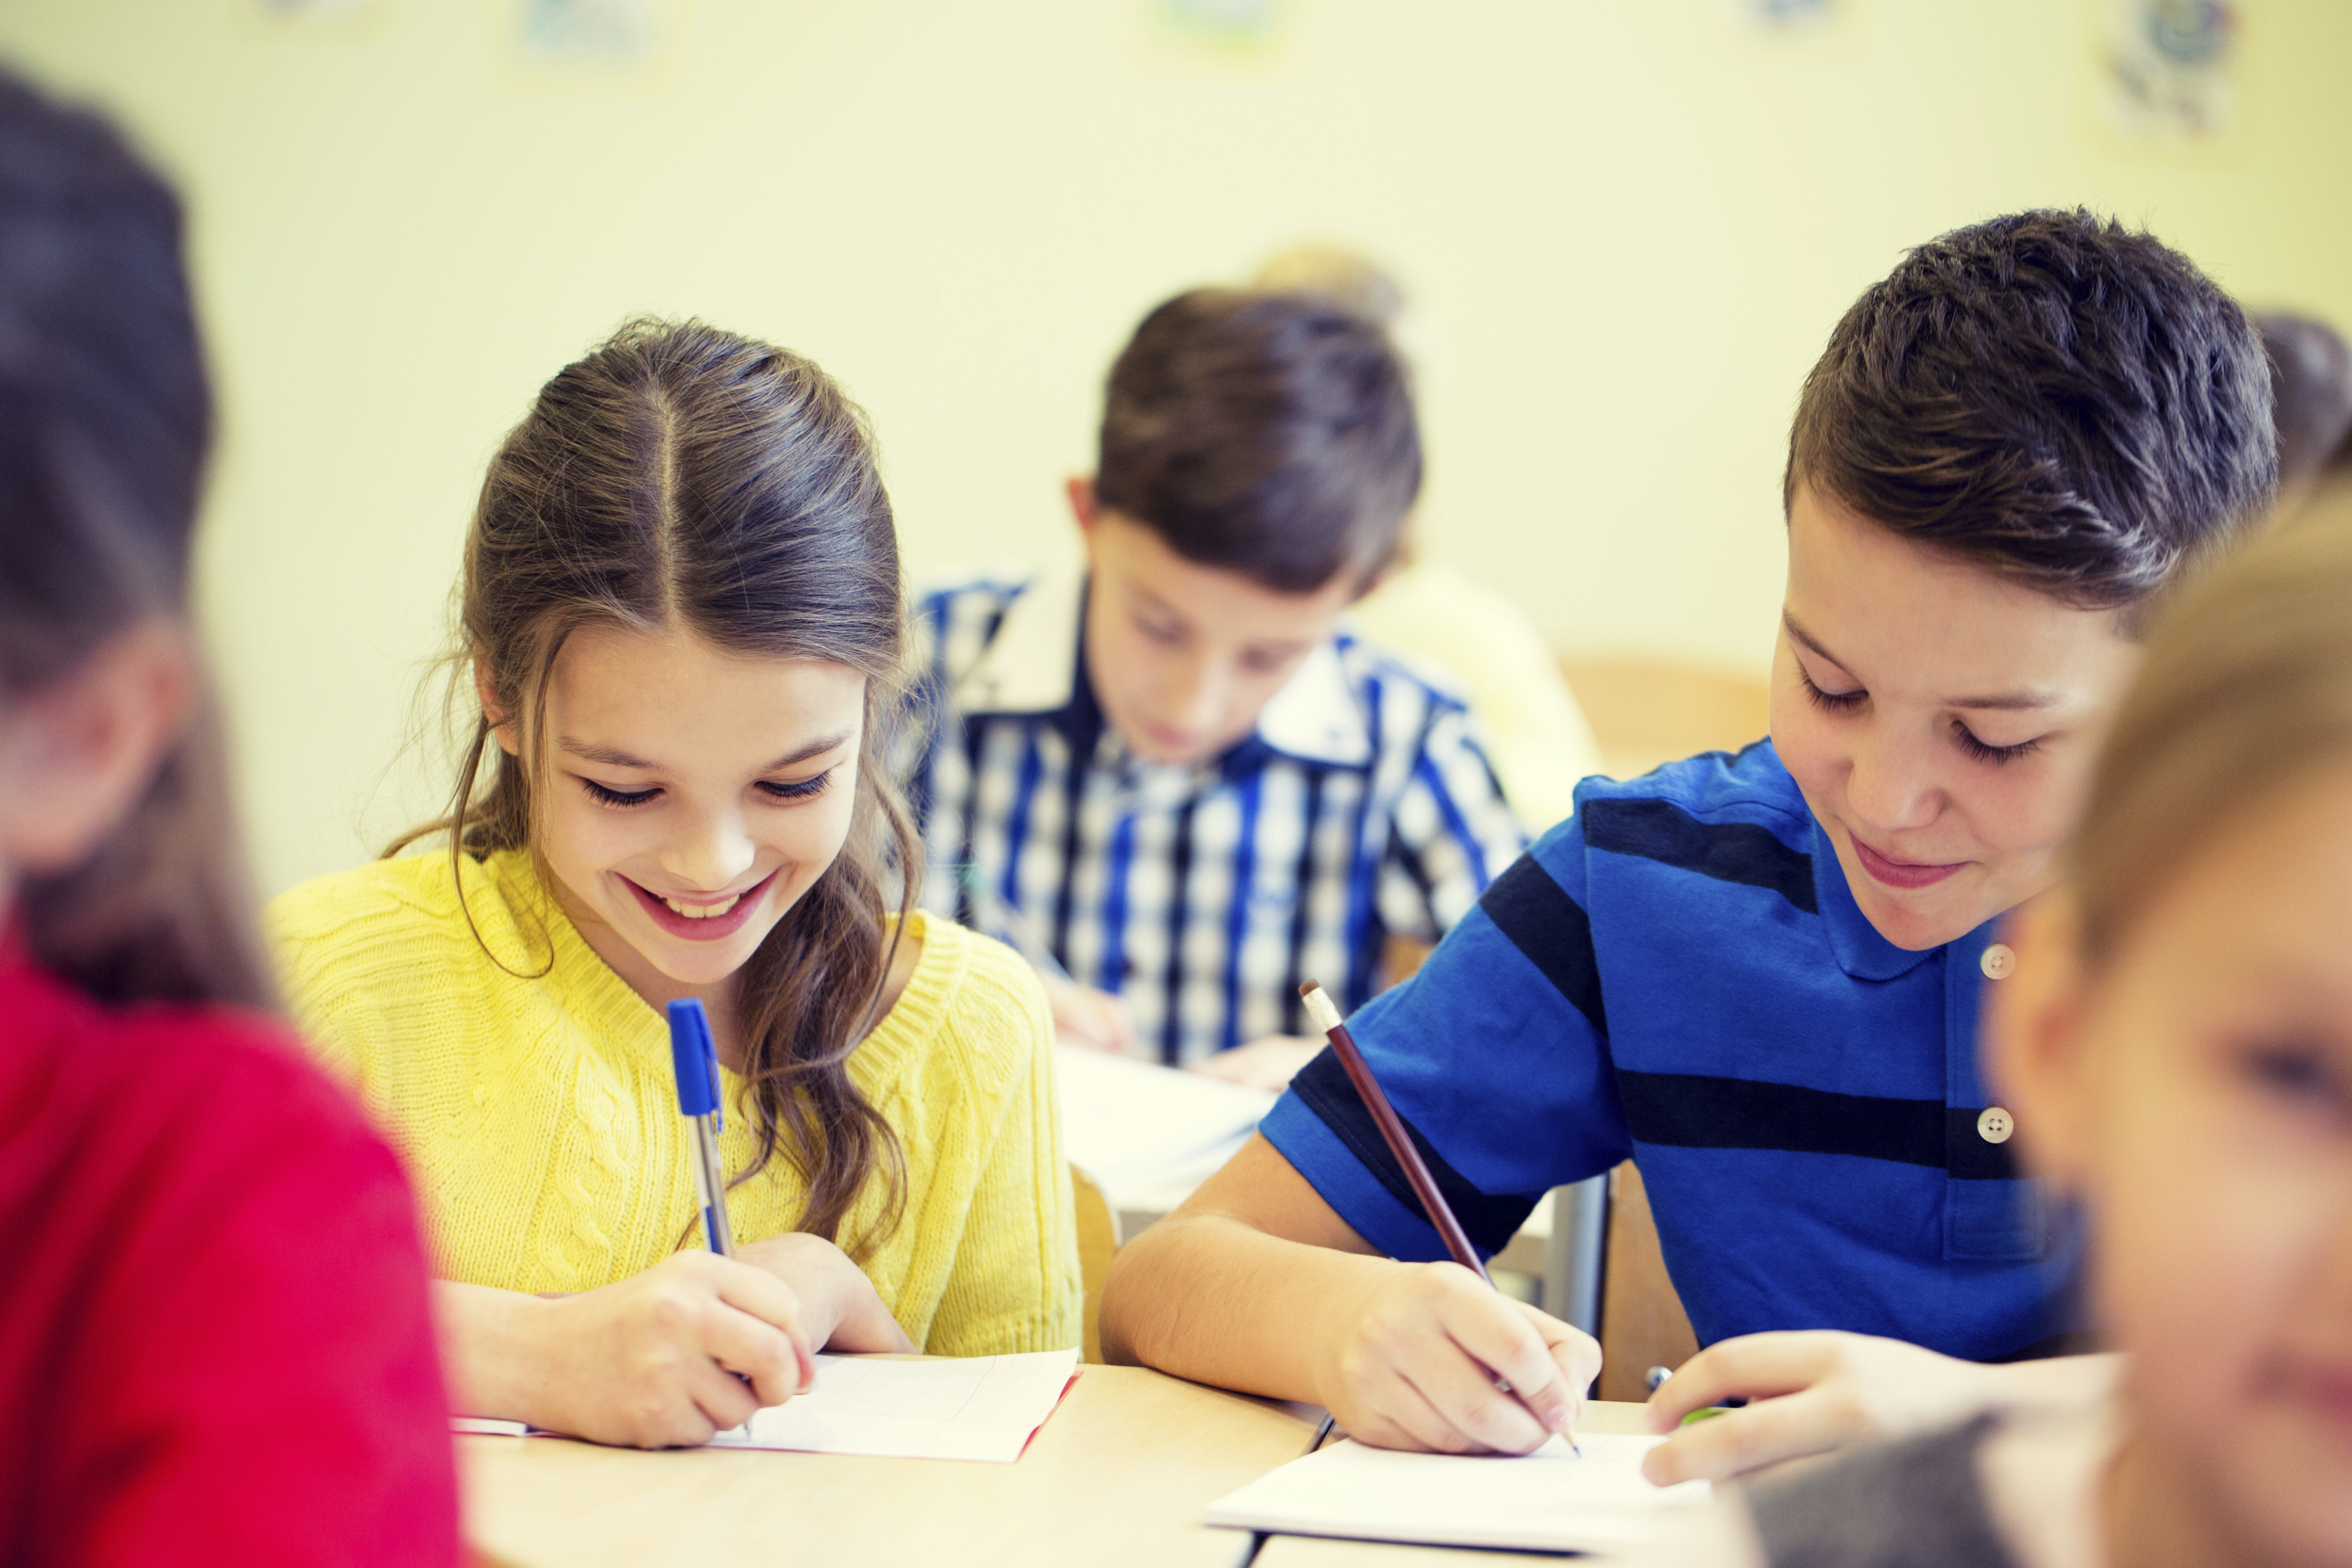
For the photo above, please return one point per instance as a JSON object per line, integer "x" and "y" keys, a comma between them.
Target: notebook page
{"x": 973, "y": 1407}
{"x": 1548, "y": 1501}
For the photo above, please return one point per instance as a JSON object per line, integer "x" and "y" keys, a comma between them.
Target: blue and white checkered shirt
{"x": 1201, "y": 894}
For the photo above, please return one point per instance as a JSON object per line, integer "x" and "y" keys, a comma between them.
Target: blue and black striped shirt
{"x": 1680, "y": 973}
{"x": 1362, "y": 806}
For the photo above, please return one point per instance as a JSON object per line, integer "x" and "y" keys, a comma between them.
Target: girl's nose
{"x": 710, "y": 856}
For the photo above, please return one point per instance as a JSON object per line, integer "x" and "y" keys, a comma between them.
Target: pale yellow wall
{"x": 1626, "y": 227}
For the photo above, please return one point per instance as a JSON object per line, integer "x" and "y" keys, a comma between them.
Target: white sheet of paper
{"x": 974, "y": 1408}
{"x": 1548, "y": 1501}
{"x": 1137, "y": 1128}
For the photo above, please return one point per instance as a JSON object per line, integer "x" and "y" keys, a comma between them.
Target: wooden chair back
{"x": 1644, "y": 712}
{"x": 1098, "y": 1244}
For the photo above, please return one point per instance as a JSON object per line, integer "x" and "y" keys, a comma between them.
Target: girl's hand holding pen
{"x": 1412, "y": 1363}
{"x": 669, "y": 1357}
{"x": 839, "y": 1309}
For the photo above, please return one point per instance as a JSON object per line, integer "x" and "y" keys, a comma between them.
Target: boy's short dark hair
{"x": 1270, "y": 433}
{"x": 2069, "y": 404}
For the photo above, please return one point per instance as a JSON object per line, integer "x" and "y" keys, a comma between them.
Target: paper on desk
{"x": 1548, "y": 1501}
{"x": 1137, "y": 1128}
{"x": 969, "y": 1407}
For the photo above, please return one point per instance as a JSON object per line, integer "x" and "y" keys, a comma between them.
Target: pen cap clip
{"x": 694, "y": 1057}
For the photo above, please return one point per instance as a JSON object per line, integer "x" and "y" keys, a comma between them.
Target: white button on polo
{"x": 1994, "y": 1125}
{"x": 1997, "y": 962}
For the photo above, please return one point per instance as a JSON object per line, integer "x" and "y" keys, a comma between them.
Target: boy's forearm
{"x": 1209, "y": 1298}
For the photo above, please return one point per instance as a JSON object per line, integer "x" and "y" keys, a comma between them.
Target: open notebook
{"x": 980, "y": 1407}
{"x": 1548, "y": 1501}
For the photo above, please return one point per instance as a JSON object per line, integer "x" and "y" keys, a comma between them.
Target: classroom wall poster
{"x": 631, "y": 46}
{"x": 2169, "y": 70}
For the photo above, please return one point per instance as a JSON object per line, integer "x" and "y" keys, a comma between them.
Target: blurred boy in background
{"x": 1174, "y": 780}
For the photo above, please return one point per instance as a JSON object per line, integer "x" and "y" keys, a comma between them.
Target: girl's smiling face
{"x": 1940, "y": 720}
{"x": 687, "y": 797}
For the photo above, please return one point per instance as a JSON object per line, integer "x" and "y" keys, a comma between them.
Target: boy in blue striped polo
{"x": 1759, "y": 975}
{"x": 1175, "y": 781}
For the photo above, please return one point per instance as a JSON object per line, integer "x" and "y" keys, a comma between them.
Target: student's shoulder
{"x": 404, "y": 886}
{"x": 1373, "y": 667}
{"x": 1748, "y": 785}
{"x": 411, "y": 914}
{"x": 958, "y": 616}
{"x": 973, "y": 1006}
{"x": 963, "y": 601}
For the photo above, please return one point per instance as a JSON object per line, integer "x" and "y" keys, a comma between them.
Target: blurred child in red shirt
{"x": 214, "y": 1335}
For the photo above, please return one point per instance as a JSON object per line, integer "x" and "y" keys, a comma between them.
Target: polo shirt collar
{"x": 1860, "y": 951}
{"x": 1031, "y": 666}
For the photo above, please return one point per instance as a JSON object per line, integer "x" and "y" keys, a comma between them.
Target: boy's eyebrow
{"x": 1799, "y": 634}
{"x": 2005, "y": 702}
{"x": 613, "y": 757}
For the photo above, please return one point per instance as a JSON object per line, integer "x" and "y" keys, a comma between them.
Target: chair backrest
{"x": 1648, "y": 710}
{"x": 1642, "y": 1323}
{"x": 1098, "y": 1244}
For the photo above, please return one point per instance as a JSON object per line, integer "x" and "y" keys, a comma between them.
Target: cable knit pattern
{"x": 536, "y": 1106}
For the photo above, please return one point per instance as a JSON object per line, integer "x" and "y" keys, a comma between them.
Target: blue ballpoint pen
{"x": 695, "y": 1060}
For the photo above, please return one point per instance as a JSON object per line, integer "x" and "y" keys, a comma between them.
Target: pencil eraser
{"x": 1319, "y": 1009}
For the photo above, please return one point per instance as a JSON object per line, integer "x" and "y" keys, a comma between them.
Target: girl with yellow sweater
{"x": 682, "y": 614}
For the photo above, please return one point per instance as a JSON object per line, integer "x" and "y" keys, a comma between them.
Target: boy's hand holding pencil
{"x": 1433, "y": 1355}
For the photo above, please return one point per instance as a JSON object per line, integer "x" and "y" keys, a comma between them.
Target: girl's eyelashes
{"x": 1835, "y": 702}
{"x": 799, "y": 790}
{"x": 622, "y": 797}
{"x": 1996, "y": 755}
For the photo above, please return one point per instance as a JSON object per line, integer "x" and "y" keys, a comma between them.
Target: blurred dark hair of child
{"x": 2311, "y": 401}
{"x": 214, "y": 1342}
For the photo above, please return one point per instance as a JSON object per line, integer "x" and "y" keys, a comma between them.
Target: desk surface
{"x": 1121, "y": 1472}
{"x": 1309, "y": 1552}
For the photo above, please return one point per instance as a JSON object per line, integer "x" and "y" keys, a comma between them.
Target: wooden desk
{"x": 1314, "y": 1551}
{"x": 1120, "y": 1473}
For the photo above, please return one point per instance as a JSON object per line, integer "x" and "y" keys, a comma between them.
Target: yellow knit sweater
{"x": 540, "y": 1115}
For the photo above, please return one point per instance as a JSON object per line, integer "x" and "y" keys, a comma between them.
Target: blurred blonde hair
{"x": 1342, "y": 276}
{"x": 2247, "y": 686}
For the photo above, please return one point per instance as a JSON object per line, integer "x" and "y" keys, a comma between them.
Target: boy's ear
{"x": 76, "y": 758}
{"x": 502, "y": 723}
{"x": 2035, "y": 1038}
{"x": 1080, "y": 488}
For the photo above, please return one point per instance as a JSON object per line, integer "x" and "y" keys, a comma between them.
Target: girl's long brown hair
{"x": 683, "y": 479}
{"x": 105, "y": 418}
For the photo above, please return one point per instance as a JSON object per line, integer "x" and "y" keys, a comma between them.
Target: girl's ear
{"x": 502, "y": 723}
{"x": 2036, "y": 1035}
